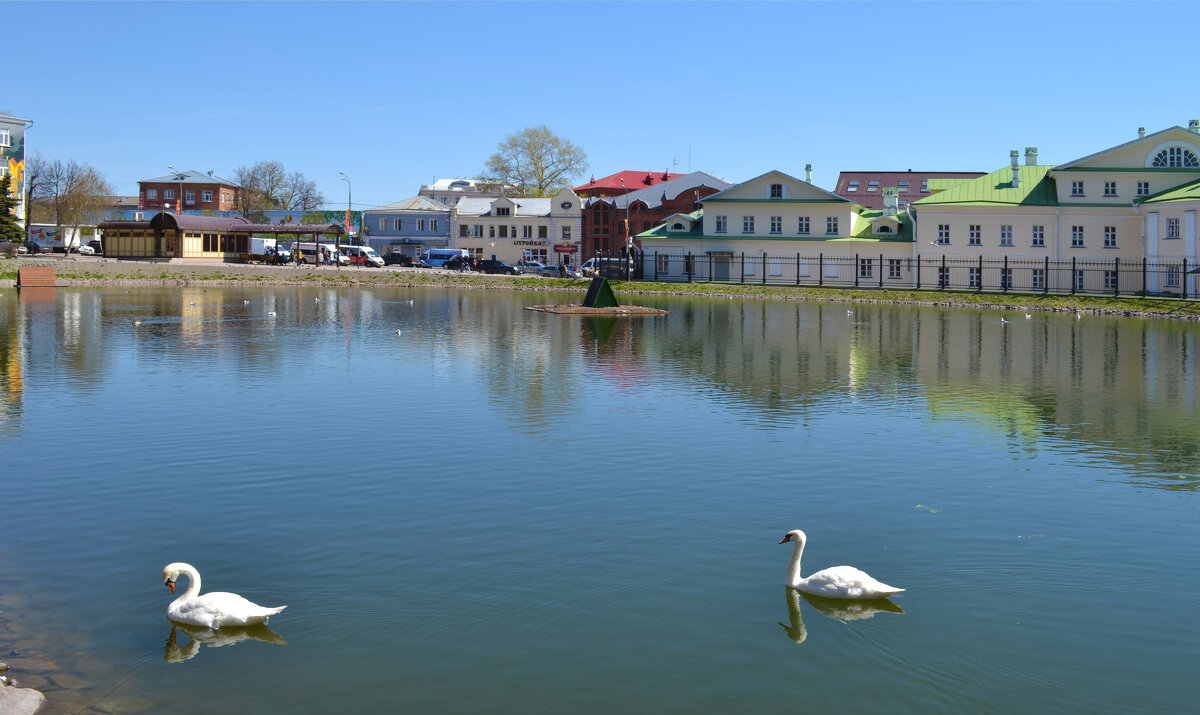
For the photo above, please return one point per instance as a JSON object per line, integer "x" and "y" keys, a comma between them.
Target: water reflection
{"x": 198, "y": 636}
{"x": 841, "y": 610}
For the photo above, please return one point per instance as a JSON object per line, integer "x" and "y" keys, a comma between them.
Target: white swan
{"x": 212, "y": 610}
{"x": 834, "y": 582}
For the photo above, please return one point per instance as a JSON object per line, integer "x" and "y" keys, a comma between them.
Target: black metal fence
{"x": 1115, "y": 277}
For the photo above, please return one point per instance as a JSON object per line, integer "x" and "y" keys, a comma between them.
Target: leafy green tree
{"x": 10, "y": 230}
{"x": 534, "y": 162}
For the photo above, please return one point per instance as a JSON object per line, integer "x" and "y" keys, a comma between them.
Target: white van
{"x": 364, "y": 255}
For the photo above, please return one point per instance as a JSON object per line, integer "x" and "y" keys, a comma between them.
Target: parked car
{"x": 456, "y": 264}
{"x": 560, "y": 271}
{"x": 87, "y": 251}
{"x": 395, "y": 258}
{"x": 533, "y": 267}
{"x": 489, "y": 265}
{"x": 96, "y": 246}
{"x": 22, "y": 249}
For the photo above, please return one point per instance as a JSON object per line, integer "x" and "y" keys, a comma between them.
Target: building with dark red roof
{"x": 609, "y": 221}
{"x": 866, "y": 187}
{"x": 622, "y": 182}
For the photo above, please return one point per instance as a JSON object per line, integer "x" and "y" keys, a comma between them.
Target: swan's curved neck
{"x": 193, "y": 588}
{"x": 794, "y": 567}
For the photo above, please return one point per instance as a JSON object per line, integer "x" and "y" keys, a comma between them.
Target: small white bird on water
{"x": 271, "y": 313}
{"x": 399, "y": 332}
{"x": 849, "y": 312}
{"x": 1002, "y": 320}
{"x": 834, "y": 582}
{"x": 245, "y": 302}
{"x": 1028, "y": 316}
{"x": 137, "y": 322}
{"x": 410, "y": 301}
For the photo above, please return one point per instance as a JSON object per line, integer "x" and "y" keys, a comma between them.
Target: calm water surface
{"x": 503, "y": 511}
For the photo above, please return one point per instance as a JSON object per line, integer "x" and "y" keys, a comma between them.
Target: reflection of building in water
{"x": 12, "y": 363}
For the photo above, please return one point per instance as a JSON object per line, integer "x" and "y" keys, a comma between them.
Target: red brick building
{"x": 188, "y": 191}
{"x": 866, "y": 187}
{"x": 604, "y": 217}
{"x": 622, "y": 182}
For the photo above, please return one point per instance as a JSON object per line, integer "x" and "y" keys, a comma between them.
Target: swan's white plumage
{"x": 212, "y": 610}
{"x": 834, "y": 582}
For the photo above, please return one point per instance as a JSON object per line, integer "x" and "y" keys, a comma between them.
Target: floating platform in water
{"x": 616, "y": 311}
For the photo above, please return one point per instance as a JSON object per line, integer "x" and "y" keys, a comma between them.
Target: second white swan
{"x": 212, "y": 610}
{"x": 834, "y": 582}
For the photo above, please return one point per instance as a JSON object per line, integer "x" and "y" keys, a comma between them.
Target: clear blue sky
{"x": 396, "y": 94}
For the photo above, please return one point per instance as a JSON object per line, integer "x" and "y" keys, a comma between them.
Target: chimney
{"x": 1030, "y": 156}
{"x": 1141, "y": 132}
{"x": 210, "y": 173}
{"x": 1016, "y": 169}
{"x": 808, "y": 173}
{"x": 890, "y": 198}
{"x": 1194, "y": 126}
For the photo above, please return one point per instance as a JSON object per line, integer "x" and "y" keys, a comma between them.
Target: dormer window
{"x": 777, "y": 191}
{"x": 1176, "y": 157}
{"x": 873, "y": 185}
{"x": 503, "y": 211}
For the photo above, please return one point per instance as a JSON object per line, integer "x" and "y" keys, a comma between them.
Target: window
{"x": 543, "y": 231}
{"x": 1078, "y": 280}
{"x": 777, "y": 191}
{"x": 873, "y": 185}
{"x": 527, "y": 232}
{"x": 974, "y": 277}
{"x": 663, "y": 263}
{"x": 802, "y": 226}
{"x": 1006, "y": 278}
{"x": 503, "y": 211}
{"x": 504, "y": 231}
{"x": 206, "y": 196}
{"x": 865, "y": 268}
{"x": 943, "y": 234}
{"x": 566, "y": 233}
{"x": 1110, "y": 236}
{"x": 776, "y": 224}
{"x": 421, "y": 224}
{"x": 433, "y": 224}
{"x": 1077, "y": 188}
{"x": 747, "y": 224}
{"x": 1176, "y": 157}
{"x": 1143, "y": 188}
{"x": 383, "y": 224}
{"x": 1110, "y": 281}
{"x": 1077, "y": 237}
{"x": 689, "y": 264}
{"x": 973, "y": 235}
{"x": 925, "y": 186}
{"x": 152, "y": 193}
{"x": 943, "y": 276}
{"x": 722, "y": 224}
{"x": 1110, "y": 188}
{"x": 1038, "y": 280}
{"x": 894, "y": 268}
{"x": 189, "y": 197}
{"x": 464, "y": 231}
{"x": 1172, "y": 276}
{"x": 1173, "y": 227}
{"x": 1039, "y": 236}
{"x": 831, "y": 225}
{"x": 1006, "y": 235}
{"x": 168, "y": 193}
{"x": 852, "y": 188}
{"x": 5, "y": 137}
{"x": 492, "y": 231}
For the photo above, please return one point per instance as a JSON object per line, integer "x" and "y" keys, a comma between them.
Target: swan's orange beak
{"x": 171, "y": 585}
{"x": 786, "y": 538}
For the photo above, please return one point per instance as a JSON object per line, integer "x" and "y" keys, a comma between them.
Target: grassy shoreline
{"x": 84, "y": 271}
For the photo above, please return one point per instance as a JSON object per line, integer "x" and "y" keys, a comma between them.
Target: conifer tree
{"x": 10, "y": 230}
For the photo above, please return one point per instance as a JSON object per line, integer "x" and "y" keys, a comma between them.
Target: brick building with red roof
{"x": 622, "y": 182}
{"x": 866, "y": 187}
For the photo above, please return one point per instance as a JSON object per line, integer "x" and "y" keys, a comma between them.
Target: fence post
{"x": 797, "y": 269}
{"x": 855, "y": 269}
{"x": 944, "y": 276}
{"x": 710, "y": 276}
{"x": 1117, "y": 282}
{"x": 1004, "y": 276}
{"x": 690, "y": 265}
{"x": 881, "y": 270}
{"x": 1184, "y": 278}
{"x": 1046, "y": 277}
{"x": 979, "y": 288}
{"x": 821, "y": 269}
{"x": 764, "y": 268}
{"x": 1143, "y": 276}
{"x": 743, "y": 267}
{"x": 918, "y": 271}
{"x": 656, "y": 266}
{"x": 1072, "y": 275}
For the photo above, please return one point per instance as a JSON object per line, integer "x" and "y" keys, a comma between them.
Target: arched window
{"x": 677, "y": 227}
{"x": 883, "y": 229}
{"x": 1176, "y": 157}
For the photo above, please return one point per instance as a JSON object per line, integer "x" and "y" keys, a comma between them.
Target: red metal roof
{"x": 882, "y": 179}
{"x": 634, "y": 180}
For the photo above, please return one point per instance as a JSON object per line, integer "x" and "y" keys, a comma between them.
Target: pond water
{"x": 498, "y": 510}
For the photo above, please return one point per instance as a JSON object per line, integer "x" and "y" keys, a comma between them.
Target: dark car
{"x": 489, "y": 265}
{"x": 393, "y": 258}
{"x": 96, "y": 246}
{"x": 458, "y": 263}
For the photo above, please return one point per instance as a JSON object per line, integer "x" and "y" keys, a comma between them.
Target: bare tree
{"x": 73, "y": 193}
{"x": 535, "y": 162}
{"x": 267, "y": 185}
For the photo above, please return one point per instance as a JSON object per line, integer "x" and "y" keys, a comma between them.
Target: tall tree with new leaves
{"x": 267, "y": 185}
{"x": 535, "y": 162}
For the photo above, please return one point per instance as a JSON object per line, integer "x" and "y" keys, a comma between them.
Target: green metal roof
{"x": 1036, "y": 188}
{"x": 1187, "y": 192}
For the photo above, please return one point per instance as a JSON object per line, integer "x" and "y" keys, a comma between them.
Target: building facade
{"x": 451, "y": 191}
{"x": 12, "y": 159}
{"x": 609, "y": 221}
{"x": 520, "y": 229}
{"x": 409, "y": 227}
{"x": 188, "y": 191}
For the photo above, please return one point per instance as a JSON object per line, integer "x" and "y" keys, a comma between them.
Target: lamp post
{"x": 349, "y": 205}
{"x": 178, "y": 201}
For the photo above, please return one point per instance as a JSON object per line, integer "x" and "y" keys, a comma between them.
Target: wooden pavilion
{"x": 187, "y": 236}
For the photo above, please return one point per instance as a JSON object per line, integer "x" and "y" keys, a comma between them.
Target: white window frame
{"x": 803, "y": 225}
{"x": 866, "y": 269}
{"x": 1077, "y": 237}
{"x": 383, "y": 224}
{"x": 1143, "y": 188}
{"x": 1006, "y": 278}
{"x": 974, "y": 277}
{"x": 1079, "y": 279}
{"x": 152, "y": 194}
{"x": 1173, "y": 228}
{"x": 1172, "y": 280}
{"x": 420, "y": 224}
{"x": 1110, "y": 188}
{"x": 1037, "y": 280}
{"x": 1110, "y": 280}
{"x": 894, "y": 266}
{"x": 974, "y": 234}
{"x": 206, "y": 196}
{"x": 433, "y": 223}
{"x": 1077, "y": 188}
{"x": 776, "y": 224}
{"x": 189, "y": 196}
{"x": 663, "y": 263}
{"x": 1006, "y": 238}
{"x": 776, "y": 191}
{"x": 747, "y": 224}
{"x": 722, "y": 224}
{"x": 831, "y": 225}
{"x": 1039, "y": 236}
{"x": 943, "y": 234}
{"x": 5, "y": 138}
{"x": 1110, "y": 236}
{"x": 168, "y": 194}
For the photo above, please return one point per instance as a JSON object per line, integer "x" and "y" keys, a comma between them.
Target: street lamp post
{"x": 179, "y": 200}
{"x": 349, "y": 207}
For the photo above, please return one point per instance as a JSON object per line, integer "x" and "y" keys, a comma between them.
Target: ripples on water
{"x": 500, "y": 510}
